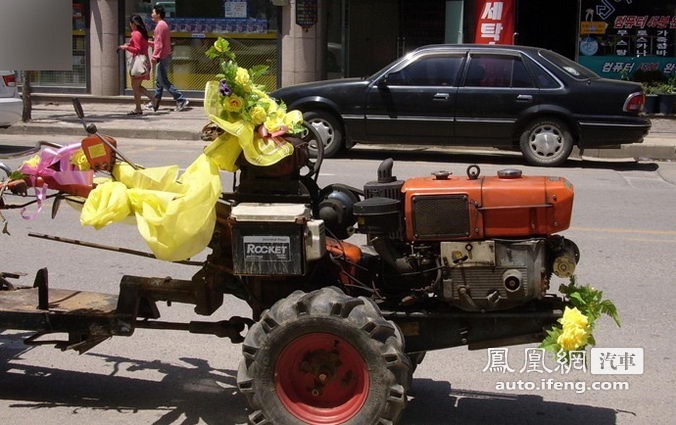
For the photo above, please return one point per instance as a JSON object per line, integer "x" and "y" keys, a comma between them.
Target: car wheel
{"x": 329, "y": 129}
{"x": 323, "y": 358}
{"x": 546, "y": 142}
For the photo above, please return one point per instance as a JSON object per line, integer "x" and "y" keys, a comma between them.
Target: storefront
{"x": 619, "y": 38}
{"x": 403, "y": 25}
{"x": 249, "y": 25}
{"x": 616, "y": 38}
{"x": 76, "y": 79}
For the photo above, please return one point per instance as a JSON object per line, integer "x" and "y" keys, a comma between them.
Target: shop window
{"x": 77, "y": 77}
{"x": 249, "y": 25}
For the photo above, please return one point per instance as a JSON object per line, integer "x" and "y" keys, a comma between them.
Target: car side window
{"x": 544, "y": 80}
{"x": 428, "y": 71}
{"x": 497, "y": 71}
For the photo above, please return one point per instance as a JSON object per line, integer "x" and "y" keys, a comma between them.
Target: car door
{"x": 414, "y": 102}
{"x": 496, "y": 90}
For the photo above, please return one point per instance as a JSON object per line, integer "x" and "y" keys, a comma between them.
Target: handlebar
{"x": 9, "y": 152}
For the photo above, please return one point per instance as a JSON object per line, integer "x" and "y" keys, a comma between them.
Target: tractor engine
{"x": 478, "y": 243}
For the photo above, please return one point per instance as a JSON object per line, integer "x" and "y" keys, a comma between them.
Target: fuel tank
{"x": 509, "y": 205}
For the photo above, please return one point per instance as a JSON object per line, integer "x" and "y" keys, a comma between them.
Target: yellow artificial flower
{"x": 573, "y": 337}
{"x": 293, "y": 119}
{"x": 575, "y": 329}
{"x": 273, "y": 123}
{"x": 233, "y": 103}
{"x": 258, "y": 115}
{"x": 574, "y": 317}
{"x": 242, "y": 78}
{"x": 221, "y": 45}
{"x": 79, "y": 160}
{"x": 271, "y": 106}
{"x": 260, "y": 94}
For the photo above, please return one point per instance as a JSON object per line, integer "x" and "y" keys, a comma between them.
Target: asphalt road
{"x": 623, "y": 222}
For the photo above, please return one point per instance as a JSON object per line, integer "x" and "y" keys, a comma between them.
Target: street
{"x": 623, "y": 223}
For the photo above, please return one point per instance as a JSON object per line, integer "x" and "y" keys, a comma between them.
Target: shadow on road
{"x": 436, "y": 402}
{"x": 513, "y": 159}
{"x": 195, "y": 392}
{"x": 190, "y": 393}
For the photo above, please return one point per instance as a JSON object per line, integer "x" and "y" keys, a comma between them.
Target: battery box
{"x": 275, "y": 239}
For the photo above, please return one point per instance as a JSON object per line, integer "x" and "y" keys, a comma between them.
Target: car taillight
{"x": 10, "y": 80}
{"x": 634, "y": 102}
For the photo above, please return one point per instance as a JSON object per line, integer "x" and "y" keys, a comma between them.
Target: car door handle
{"x": 524, "y": 98}
{"x": 441, "y": 97}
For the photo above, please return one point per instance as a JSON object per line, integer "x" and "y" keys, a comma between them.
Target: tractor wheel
{"x": 416, "y": 359}
{"x": 324, "y": 358}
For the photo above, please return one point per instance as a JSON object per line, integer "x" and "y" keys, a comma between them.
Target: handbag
{"x": 138, "y": 65}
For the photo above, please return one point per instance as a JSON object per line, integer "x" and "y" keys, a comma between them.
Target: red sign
{"x": 495, "y": 22}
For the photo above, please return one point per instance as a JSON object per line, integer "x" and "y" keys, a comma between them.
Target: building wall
{"x": 302, "y": 52}
{"x": 103, "y": 42}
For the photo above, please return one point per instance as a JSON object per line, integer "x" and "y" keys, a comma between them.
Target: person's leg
{"x": 145, "y": 92}
{"x": 160, "y": 78}
{"x": 136, "y": 87}
{"x": 164, "y": 64}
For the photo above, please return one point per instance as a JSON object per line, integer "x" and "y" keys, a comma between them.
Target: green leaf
{"x": 550, "y": 346}
{"x": 258, "y": 70}
{"x": 608, "y": 308}
{"x": 17, "y": 175}
{"x": 576, "y": 299}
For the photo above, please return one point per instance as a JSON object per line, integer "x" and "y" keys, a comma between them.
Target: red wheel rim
{"x": 321, "y": 379}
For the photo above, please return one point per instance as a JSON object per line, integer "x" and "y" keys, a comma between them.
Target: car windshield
{"x": 570, "y": 67}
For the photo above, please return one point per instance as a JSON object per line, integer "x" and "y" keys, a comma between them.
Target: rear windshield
{"x": 568, "y": 66}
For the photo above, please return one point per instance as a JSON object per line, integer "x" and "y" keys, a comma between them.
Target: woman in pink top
{"x": 138, "y": 45}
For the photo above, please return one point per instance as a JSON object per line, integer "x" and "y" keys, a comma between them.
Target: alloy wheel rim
{"x": 546, "y": 141}
{"x": 324, "y": 130}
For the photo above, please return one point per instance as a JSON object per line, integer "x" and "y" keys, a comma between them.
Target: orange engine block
{"x": 446, "y": 207}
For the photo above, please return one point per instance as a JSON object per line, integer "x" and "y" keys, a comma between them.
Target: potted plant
{"x": 652, "y": 82}
{"x": 667, "y": 92}
{"x": 651, "y": 98}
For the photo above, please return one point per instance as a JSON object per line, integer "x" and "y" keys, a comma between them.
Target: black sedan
{"x": 476, "y": 95}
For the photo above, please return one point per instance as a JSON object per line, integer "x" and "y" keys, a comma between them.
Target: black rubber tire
{"x": 356, "y": 321}
{"x": 329, "y": 128}
{"x": 546, "y": 142}
{"x": 416, "y": 359}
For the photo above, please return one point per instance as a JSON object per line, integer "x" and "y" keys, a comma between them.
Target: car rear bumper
{"x": 10, "y": 110}
{"x": 598, "y": 133}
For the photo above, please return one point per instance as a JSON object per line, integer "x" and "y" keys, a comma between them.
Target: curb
{"x": 641, "y": 151}
{"x": 660, "y": 147}
{"x": 128, "y": 133}
{"x": 90, "y": 98}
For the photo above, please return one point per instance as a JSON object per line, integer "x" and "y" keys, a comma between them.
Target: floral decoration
{"x": 243, "y": 99}
{"x": 575, "y": 330}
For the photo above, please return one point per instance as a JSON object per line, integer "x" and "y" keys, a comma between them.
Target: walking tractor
{"x": 337, "y": 328}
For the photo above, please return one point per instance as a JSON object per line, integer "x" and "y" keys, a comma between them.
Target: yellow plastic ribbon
{"x": 107, "y": 203}
{"x": 175, "y": 218}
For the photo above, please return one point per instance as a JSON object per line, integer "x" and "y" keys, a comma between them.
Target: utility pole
{"x": 27, "y": 98}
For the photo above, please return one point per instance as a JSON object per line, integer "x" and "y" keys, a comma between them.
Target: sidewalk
{"x": 54, "y": 114}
